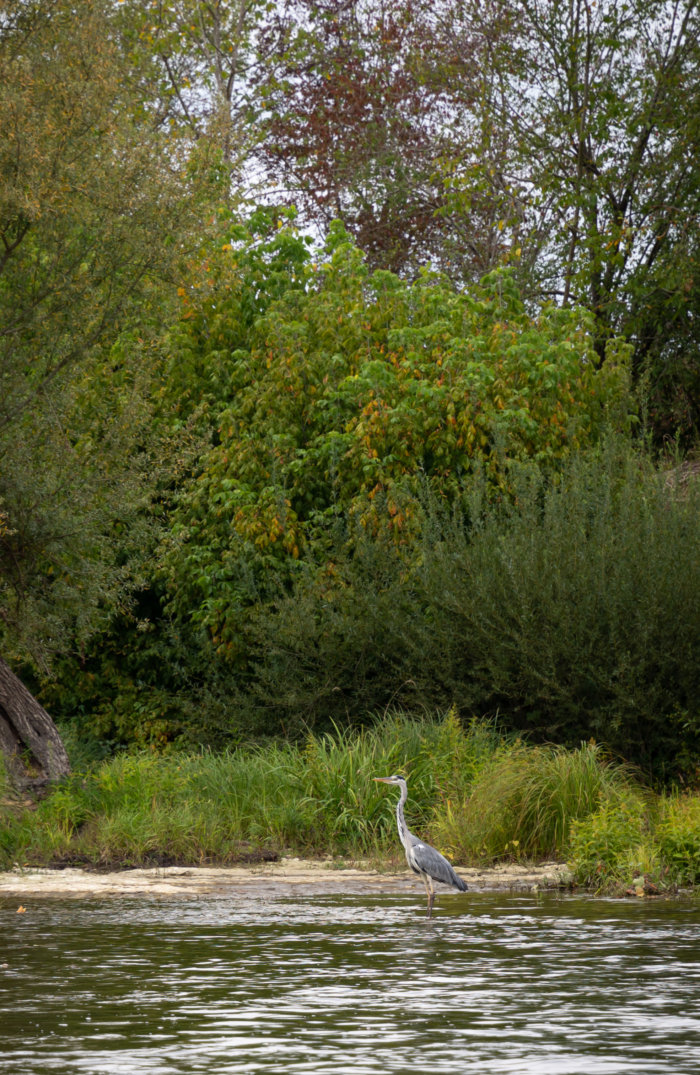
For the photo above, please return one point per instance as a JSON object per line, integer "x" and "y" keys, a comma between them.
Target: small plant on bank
{"x": 678, "y": 838}
{"x": 606, "y": 842}
{"x": 638, "y": 837}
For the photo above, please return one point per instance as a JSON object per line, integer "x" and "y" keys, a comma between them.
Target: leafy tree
{"x": 562, "y": 139}
{"x": 351, "y": 390}
{"x": 148, "y": 676}
{"x": 365, "y": 104}
{"x": 559, "y": 139}
{"x": 194, "y": 68}
{"x": 601, "y": 105}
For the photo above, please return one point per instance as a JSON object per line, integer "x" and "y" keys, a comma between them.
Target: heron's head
{"x": 390, "y": 779}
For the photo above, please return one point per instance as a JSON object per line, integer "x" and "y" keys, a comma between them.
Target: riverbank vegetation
{"x": 479, "y": 795}
{"x": 349, "y": 365}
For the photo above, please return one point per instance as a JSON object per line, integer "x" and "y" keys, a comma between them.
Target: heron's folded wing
{"x": 435, "y": 865}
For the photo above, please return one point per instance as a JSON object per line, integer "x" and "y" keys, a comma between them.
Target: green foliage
{"x": 478, "y": 796}
{"x": 333, "y": 648}
{"x": 337, "y": 456}
{"x": 563, "y": 610}
{"x": 75, "y": 488}
{"x": 195, "y": 68}
{"x": 144, "y": 682}
{"x": 603, "y": 843}
{"x": 440, "y": 759}
{"x": 559, "y": 609}
{"x": 596, "y": 109}
{"x": 81, "y": 289}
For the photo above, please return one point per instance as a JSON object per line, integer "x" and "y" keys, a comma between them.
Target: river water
{"x": 494, "y": 983}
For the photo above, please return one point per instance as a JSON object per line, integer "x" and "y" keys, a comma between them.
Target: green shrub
{"x": 350, "y": 384}
{"x": 563, "y": 612}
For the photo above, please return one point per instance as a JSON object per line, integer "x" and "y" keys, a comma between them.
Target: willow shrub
{"x": 575, "y": 609}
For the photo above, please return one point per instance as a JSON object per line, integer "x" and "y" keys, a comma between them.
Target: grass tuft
{"x": 524, "y": 800}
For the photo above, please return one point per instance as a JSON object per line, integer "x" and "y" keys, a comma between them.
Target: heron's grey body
{"x": 421, "y": 857}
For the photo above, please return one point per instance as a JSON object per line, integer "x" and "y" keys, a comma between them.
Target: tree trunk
{"x": 29, "y": 739}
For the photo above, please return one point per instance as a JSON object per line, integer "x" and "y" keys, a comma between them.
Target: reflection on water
{"x": 493, "y": 984}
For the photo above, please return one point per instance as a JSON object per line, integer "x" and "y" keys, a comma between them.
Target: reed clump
{"x": 524, "y": 801}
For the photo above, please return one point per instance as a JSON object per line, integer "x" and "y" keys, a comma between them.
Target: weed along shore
{"x": 286, "y": 876}
{"x": 295, "y": 814}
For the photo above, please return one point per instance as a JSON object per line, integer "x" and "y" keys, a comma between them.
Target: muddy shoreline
{"x": 285, "y": 877}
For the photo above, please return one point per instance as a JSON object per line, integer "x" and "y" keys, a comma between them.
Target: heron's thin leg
{"x": 429, "y": 888}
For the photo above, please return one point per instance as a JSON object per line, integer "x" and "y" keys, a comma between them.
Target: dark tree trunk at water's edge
{"x": 29, "y": 739}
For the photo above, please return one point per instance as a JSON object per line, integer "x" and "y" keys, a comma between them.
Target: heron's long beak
{"x": 383, "y": 779}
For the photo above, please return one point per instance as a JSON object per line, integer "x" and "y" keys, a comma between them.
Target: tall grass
{"x": 523, "y": 802}
{"x": 319, "y": 798}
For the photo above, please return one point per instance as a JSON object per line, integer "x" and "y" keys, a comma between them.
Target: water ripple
{"x": 505, "y": 984}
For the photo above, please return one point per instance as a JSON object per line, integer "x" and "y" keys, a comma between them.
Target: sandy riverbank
{"x": 285, "y": 877}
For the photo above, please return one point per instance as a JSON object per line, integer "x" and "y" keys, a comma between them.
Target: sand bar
{"x": 285, "y": 877}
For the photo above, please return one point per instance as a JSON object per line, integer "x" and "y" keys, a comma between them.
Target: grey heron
{"x": 421, "y": 857}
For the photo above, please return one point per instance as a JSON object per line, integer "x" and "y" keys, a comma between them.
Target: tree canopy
{"x": 352, "y": 389}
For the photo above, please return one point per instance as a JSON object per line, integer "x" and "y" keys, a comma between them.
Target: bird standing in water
{"x": 421, "y": 857}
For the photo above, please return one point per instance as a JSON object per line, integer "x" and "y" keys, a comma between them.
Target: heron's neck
{"x": 400, "y": 819}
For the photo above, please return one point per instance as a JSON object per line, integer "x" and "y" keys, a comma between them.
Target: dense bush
{"x": 312, "y": 409}
{"x": 567, "y": 611}
{"x": 346, "y": 393}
